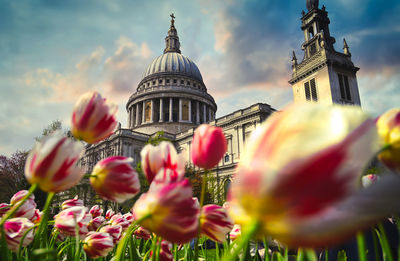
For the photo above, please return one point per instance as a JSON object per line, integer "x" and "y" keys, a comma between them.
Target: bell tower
{"x": 324, "y": 75}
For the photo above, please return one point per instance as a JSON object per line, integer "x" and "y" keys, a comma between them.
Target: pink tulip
{"x": 93, "y": 118}
{"x": 174, "y": 214}
{"x": 163, "y": 156}
{"x": 388, "y": 125}
{"x": 215, "y": 222}
{"x": 98, "y": 244}
{"x": 52, "y": 163}
{"x": 14, "y": 230}
{"x": 208, "y": 146}
{"x": 96, "y": 211}
{"x": 142, "y": 233}
{"x": 75, "y": 202}
{"x": 37, "y": 217}
{"x": 301, "y": 166}
{"x": 66, "y": 221}
{"x": 96, "y": 222}
{"x": 114, "y": 231}
{"x": 115, "y": 179}
{"x": 27, "y": 209}
{"x": 109, "y": 214}
{"x": 129, "y": 217}
{"x": 4, "y": 207}
{"x": 369, "y": 179}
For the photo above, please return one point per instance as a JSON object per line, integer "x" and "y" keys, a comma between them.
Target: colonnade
{"x": 169, "y": 110}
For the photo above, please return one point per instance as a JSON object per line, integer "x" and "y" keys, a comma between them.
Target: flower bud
{"x": 114, "y": 179}
{"x": 93, "y": 118}
{"x": 66, "y": 221}
{"x": 208, "y": 146}
{"x": 163, "y": 156}
{"x": 109, "y": 214}
{"x": 369, "y": 179}
{"x": 96, "y": 222}
{"x": 52, "y": 163}
{"x": 142, "y": 233}
{"x": 4, "y": 207}
{"x": 98, "y": 244}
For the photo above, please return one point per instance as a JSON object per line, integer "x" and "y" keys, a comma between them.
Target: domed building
{"x": 171, "y": 96}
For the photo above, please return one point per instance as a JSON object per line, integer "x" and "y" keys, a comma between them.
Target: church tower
{"x": 324, "y": 75}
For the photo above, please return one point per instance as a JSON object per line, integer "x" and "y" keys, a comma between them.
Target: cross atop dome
{"x": 172, "y": 43}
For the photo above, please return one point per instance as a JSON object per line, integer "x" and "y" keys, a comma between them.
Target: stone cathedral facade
{"x": 172, "y": 97}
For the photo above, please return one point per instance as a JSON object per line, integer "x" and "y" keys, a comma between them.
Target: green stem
{"x": 119, "y": 255}
{"x": 243, "y": 242}
{"x": 14, "y": 209}
{"x": 397, "y": 220}
{"x": 76, "y": 241}
{"x": 4, "y": 249}
{"x": 22, "y": 240}
{"x": 362, "y": 256}
{"x": 387, "y": 253}
{"x": 41, "y": 235}
{"x": 311, "y": 256}
{"x": 202, "y": 195}
{"x": 266, "y": 249}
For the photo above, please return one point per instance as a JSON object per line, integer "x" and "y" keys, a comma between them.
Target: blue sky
{"x": 52, "y": 51}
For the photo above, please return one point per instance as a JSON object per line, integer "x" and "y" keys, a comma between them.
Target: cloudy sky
{"x": 51, "y": 51}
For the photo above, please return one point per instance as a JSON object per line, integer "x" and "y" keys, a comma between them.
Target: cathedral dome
{"x": 173, "y": 63}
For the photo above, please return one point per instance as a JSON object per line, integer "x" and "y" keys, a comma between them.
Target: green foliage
{"x": 157, "y": 139}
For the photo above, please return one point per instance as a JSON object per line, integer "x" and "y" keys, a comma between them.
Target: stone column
{"x": 129, "y": 117}
{"x": 143, "y": 109}
{"x": 180, "y": 109}
{"x": 170, "y": 109}
{"x": 190, "y": 111}
{"x": 198, "y": 113}
{"x": 204, "y": 113}
{"x": 161, "y": 110}
{"x": 209, "y": 114}
{"x": 137, "y": 114}
{"x": 152, "y": 110}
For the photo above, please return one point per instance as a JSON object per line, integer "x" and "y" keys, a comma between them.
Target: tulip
{"x": 52, "y": 163}
{"x": 142, "y": 233}
{"x": 66, "y": 221}
{"x": 388, "y": 126}
{"x": 208, "y": 146}
{"x": 369, "y": 179}
{"x": 163, "y": 156}
{"x": 114, "y": 179}
{"x": 109, "y": 214}
{"x": 121, "y": 221}
{"x": 4, "y": 207}
{"x": 98, "y": 244}
{"x": 95, "y": 223}
{"x": 299, "y": 167}
{"x": 37, "y": 217}
{"x": 93, "y": 118}
{"x": 170, "y": 210}
{"x": 235, "y": 233}
{"x": 215, "y": 222}
{"x": 14, "y": 230}
{"x": 96, "y": 211}
{"x": 75, "y": 202}
{"x": 115, "y": 232}
{"x": 27, "y": 209}
{"x": 165, "y": 251}
{"x": 128, "y": 217}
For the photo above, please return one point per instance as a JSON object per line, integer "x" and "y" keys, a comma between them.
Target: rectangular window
{"x": 344, "y": 86}
{"x": 307, "y": 90}
{"x": 185, "y": 110}
{"x": 310, "y": 90}
{"x": 313, "y": 90}
{"x": 147, "y": 112}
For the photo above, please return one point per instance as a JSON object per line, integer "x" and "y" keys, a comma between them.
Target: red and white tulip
{"x": 162, "y": 156}
{"x": 115, "y": 179}
{"x": 215, "y": 222}
{"x": 52, "y": 163}
{"x": 173, "y": 212}
{"x": 96, "y": 211}
{"x": 115, "y": 232}
{"x": 93, "y": 118}
{"x": 75, "y": 202}
{"x": 67, "y": 220}
{"x": 14, "y": 230}
{"x": 98, "y": 244}
{"x": 96, "y": 222}
{"x": 27, "y": 209}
